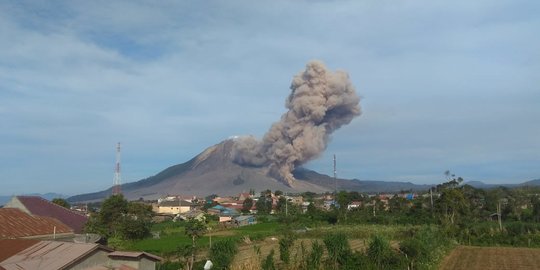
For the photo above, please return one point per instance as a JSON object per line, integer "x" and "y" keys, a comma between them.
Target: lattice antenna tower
{"x": 335, "y": 175}
{"x": 117, "y": 178}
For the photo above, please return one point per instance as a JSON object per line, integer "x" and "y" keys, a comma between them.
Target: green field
{"x": 172, "y": 236}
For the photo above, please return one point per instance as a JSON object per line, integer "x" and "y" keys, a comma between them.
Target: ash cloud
{"x": 320, "y": 102}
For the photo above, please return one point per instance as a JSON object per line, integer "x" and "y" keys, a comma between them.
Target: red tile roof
{"x": 10, "y": 247}
{"x": 14, "y": 223}
{"x": 41, "y": 207}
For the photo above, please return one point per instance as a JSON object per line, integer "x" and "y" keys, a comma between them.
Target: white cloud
{"x": 445, "y": 85}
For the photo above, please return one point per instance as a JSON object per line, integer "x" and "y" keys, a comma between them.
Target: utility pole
{"x": 499, "y": 215}
{"x": 431, "y": 197}
{"x": 286, "y": 207}
{"x": 117, "y": 179}
{"x": 335, "y": 177}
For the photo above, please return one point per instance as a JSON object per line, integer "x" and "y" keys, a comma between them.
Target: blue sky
{"x": 444, "y": 85}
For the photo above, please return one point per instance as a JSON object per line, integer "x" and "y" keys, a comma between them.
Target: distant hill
{"x": 371, "y": 186}
{"x": 531, "y": 183}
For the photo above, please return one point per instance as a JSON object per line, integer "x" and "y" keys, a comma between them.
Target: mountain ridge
{"x": 213, "y": 171}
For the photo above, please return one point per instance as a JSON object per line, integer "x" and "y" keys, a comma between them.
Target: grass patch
{"x": 172, "y": 236}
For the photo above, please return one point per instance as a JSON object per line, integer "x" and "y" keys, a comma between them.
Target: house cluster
{"x": 231, "y": 210}
{"x": 227, "y": 209}
{"x": 38, "y": 234}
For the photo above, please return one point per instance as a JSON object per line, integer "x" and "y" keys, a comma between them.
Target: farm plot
{"x": 492, "y": 258}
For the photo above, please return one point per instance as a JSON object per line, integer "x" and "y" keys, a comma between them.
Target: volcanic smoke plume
{"x": 320, "y": 102}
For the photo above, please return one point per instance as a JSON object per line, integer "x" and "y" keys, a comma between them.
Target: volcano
{"x": 211, "y": 172}
{"x": 214, "y": 172}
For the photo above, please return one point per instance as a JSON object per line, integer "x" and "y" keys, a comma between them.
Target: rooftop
{"x": 14, "y": 223}
{"x": 10, "y": 247}
{"x": 131, "y": 254}
{"x": 46, "y": 255}
{"x": 38, "y": 206}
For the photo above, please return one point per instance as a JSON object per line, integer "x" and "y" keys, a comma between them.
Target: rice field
{"x": 491, "y": 258}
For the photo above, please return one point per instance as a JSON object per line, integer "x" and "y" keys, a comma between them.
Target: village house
{"x": 354, "y": 204}
{"x": 188, "y": 198}
{"x": 174, "y": 207}
{"x": 195, "y": 214}
{"x": 244, "y": 220}
{"x": 243, "y": 196}
{"x": 225, "y": 214}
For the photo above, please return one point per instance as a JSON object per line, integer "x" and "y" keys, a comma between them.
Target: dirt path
{"x": 491, "y": 258}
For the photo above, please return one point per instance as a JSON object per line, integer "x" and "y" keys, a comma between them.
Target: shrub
{"x": 338, "y": 249}
{"x": 222, "y": 253}
{"x": 268, "y": 263}
{"x": 285, "y": 244}
{"x": 315, "y": 256}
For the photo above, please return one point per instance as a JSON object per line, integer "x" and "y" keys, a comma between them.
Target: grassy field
{"x": 171, "y": 236}
{"x": 491, "y": 258}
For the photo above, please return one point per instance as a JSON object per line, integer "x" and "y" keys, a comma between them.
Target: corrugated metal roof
{"x": 48, "y": 255}
{"x": 41, "y": 207}
{"x": 14, "y": 223}
{"x": 131, "y": 254}
{"x": 10, "y": 247}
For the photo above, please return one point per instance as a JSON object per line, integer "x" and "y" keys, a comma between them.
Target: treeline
{"x": 472, "y": 216}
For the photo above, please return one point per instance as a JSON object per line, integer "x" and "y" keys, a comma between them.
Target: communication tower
{"x": 117, "y": 179}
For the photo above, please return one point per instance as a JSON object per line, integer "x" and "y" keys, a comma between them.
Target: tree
{"x": 343, "y": 199}
{"x": 107, "y": 221}
{"x": 136, "y": 224}
{"x": 264, "y": 204}
{"x": 247, "y": 204}
{"x": 194, "y": 229}
{"x": 61, "y": 202}
{"x": 397, "y": 204}
{"x": 119, "y": 218}
{"x": 451, "y": 204}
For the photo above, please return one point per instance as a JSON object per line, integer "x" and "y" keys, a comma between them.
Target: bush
{"x": 268, "y": 263}
{"x": 315, "y": 256}
{"x": 222, "y": 253}
{"x": 169, "y": 266}
{"x": 383, "y": 256}
{"x": 338, "y": 249}
{"x": 285, "y": 244}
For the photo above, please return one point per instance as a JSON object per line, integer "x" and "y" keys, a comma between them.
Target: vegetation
{"x": 379, "y": 232}
{"x": 222, "y": 253}
{"x": 61, "y": 202}
{"x": 194, "y": 229}
{"x": 120, "y": 219}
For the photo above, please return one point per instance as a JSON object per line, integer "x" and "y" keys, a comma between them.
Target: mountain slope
{"x": 210, "y": 172}
{"x": 214, "y": 172}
